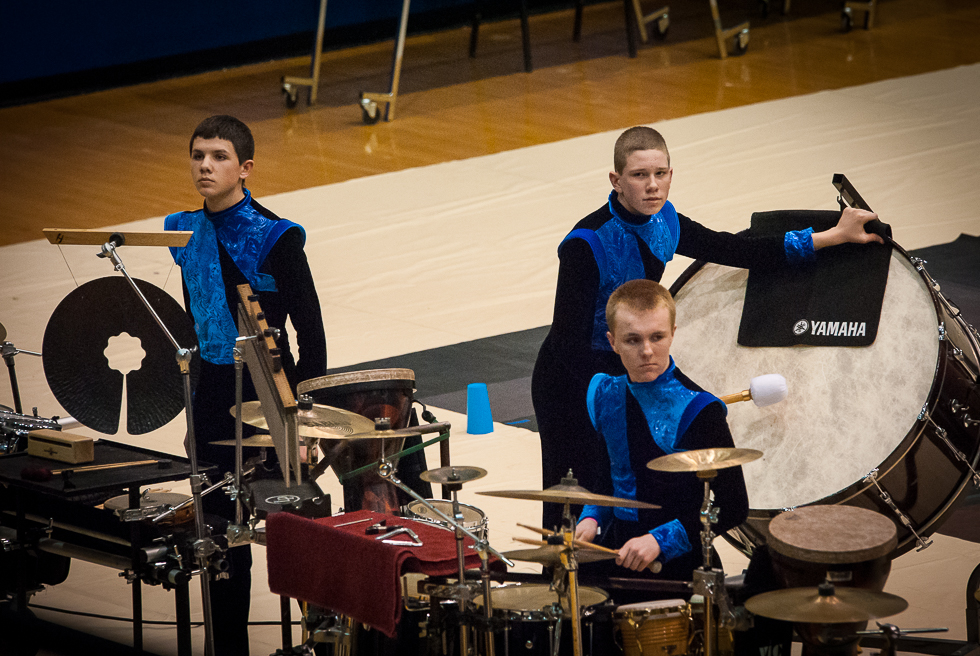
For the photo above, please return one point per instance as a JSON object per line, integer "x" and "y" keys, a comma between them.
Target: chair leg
{"x": 475, "y": 27}
{"x": 526, "y": 38}
{"x": 577, "y": 28}
{"x": 630, "y": 29}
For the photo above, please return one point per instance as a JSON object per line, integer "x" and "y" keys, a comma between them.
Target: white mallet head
{"x": 767, "y": 389}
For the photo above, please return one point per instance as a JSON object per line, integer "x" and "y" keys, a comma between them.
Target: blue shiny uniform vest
{"x": 615, "y": 246}
{"x": 669, "y": 407}
{"x": 247, "y": 236}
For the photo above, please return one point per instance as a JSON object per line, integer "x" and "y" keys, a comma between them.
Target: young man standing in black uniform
{"x": 237, "y": 240}
{"x": 632, "y": 236}
{"x": 651, "y": 411}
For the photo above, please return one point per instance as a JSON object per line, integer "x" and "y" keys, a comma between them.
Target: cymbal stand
{"x": 709, "y": 582}
{"x": 570, "y": 565}
{"x": 462, "y": 592}
{"x": 8, "y": 350}
{"x": 203, "y": 546}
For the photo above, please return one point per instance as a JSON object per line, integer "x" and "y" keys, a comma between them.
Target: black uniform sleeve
{"x": 710, "y": 430}
{"x": 701, "y": 243}
{"x": 291, "y": 270}
{"x": 575, "y": 298}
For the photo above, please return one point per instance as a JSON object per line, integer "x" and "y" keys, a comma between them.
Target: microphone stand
{"x": 8, "y": 351}
{"x": 203, "y": 546}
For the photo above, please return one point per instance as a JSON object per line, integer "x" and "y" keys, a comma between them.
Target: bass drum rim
{"x": 924, "y": 433}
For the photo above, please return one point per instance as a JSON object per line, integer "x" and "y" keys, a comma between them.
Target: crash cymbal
{"x": 78, "y": 371}
{"x": 825, "y": 605}
{"x": 703, "y": 460}
{"x": 261, "y": 441}
{"x": 551, "y": 555}
{"x": 574, "y": 494}
{"x": 452, "y": 475}
{"x": 320, "y": 421}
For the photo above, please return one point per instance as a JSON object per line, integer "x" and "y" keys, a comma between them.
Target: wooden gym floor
{"x": 120, "y": 155}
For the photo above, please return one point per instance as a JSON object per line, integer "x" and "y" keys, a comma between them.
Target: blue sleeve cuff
{"x": 601, "y": 514}
{"x": 798, "y": 245}
{"x": 672, "y": 539}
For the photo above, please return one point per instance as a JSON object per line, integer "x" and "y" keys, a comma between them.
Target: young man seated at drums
{"x": 651, "y": 411}
{"x": 633, "y": 235}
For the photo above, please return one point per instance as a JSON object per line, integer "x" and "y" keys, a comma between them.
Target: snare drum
{"x": 474, "y": 520}
{"x": 533, "y": 620}
{"x": 891, "y": 406}
{"x": 375, "y": 394}
{"x": 662, "y": 628}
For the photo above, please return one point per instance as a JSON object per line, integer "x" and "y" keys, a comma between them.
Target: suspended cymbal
{"x": 320, "y": 421}
{"x": 451, "y": 475}
{"x": 703, "y": 460}
{"x": 79, "y": 373}
{"x": 815, "y": 606}
{"x": 551, "y": 555}
{"x": 261, "y": 441}
{"x": 574, "y": 494}
{"x": 389, "y": 434}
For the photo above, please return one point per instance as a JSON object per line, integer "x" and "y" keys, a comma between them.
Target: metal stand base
{"x": 847, "y": 13}
{"x": 740, "y": 32}
{"x": 290, "y": 84}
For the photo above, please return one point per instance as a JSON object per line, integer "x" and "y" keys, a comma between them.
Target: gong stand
{"x": 8, "y": 351}
{"x": 203, "y": 546}
{"x": 461, "y": 592}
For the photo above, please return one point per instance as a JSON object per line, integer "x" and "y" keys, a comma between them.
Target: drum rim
{"x": 345, "y": 381}
{"x": 756, "y": 525}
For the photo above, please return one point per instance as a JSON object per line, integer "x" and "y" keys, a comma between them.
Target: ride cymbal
{"x": 261, "y": 441}
{"x": 825, "y": 605}
{"x": 451, "y": 475}
{"x": 703, "y": 460}
{"x": 320, "y": 421}
{"x": 573, "y": 494}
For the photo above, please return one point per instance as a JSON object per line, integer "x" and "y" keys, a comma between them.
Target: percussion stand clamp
{"x": 8, "y": 350}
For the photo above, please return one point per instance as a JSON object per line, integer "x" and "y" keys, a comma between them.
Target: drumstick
{"x": 654, "y": 567}
{"x": 42, "y": 474}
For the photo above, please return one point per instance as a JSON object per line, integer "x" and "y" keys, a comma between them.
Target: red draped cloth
{"x": 351, "y": 573}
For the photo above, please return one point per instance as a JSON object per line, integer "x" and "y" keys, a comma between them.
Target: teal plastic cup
{"x": 479, "y": 421}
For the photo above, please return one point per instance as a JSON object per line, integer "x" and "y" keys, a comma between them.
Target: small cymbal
{"x": 453, "y": 475}
{"x": 551, "y": 555}
{"x": 321, "y": 421}
{"x": 814, "y": 606}
{"x": 574, "y": 494}
{"x": 261, "y": 441}
{"x": 389, "y": 434}
{"x": 703, "y": 460}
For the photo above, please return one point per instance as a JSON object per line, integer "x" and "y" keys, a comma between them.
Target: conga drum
{"x": 895, "y": 407}
{"x": 375, "y": 394}
{"x": 847, "y": 546}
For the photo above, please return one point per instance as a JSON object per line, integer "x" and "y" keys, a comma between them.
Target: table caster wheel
{"x": 663, "y": 25}
{"x": 369, "y": 111}
{"x": 741, "y": 42}
{"x": 846, "y": 22}
{"x": 291, "y": 94}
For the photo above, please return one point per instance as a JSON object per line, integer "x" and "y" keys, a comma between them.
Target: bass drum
{"x": 898, "y": 406}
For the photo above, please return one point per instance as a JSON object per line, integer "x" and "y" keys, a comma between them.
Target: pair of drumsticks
{"x": 654, "y": 567}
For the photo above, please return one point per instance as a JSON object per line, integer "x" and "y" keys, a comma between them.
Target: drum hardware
{"x": 941, "y": 432}
{"x": 151, "y": 504}
{"x": 873, "y": 478}
{"x": 709, "y": 582}
{"x": 386, "y": 471}
{"x": 8, "y": 351}
{"x": 825, "y": 604}
{"x": 891, "y": 634}
{"x": 15, "y": 429}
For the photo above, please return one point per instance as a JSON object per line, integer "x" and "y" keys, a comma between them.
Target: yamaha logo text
{"x": 831, "y": 328}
